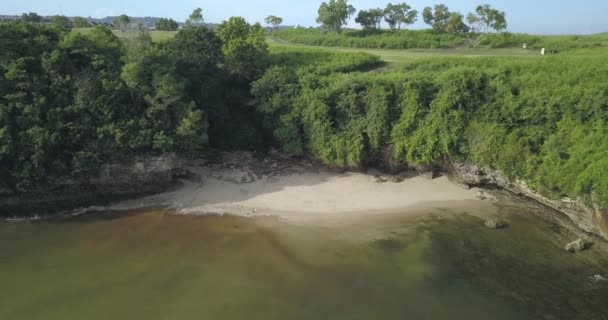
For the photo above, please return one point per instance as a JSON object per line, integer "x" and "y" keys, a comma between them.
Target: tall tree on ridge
{"x": 437, "y": 17}
{"x": 274, "y": 21}
{"x": 196, "y": 17}
{"x": 397, "y": 14}
{"x": 335, "y": 14}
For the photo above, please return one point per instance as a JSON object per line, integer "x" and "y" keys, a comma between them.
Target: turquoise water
{"x": 153, "y": 265}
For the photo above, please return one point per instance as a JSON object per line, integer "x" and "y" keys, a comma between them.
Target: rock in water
{"x": 496, "y": 224}
{"x": 575, "y": 246}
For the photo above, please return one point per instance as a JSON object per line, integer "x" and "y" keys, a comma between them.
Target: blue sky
{"x": 529, "y": 16}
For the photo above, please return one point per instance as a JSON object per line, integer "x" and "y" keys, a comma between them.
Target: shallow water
{"x": 154, "y": 265}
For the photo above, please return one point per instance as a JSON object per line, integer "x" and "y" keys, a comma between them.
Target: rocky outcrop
{"x": 592, "y": 219}
{"x": 113, "y": 181}
{"x": 576, "y": 246}
{"x": 496, "y": 224}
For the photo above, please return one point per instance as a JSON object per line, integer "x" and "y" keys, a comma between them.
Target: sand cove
{"x": 300, "y": 190}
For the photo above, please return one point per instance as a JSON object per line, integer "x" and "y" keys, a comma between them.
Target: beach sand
{"x": 304, "y": 192}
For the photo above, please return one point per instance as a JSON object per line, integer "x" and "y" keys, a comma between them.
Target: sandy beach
{"x": 301, "y": 191}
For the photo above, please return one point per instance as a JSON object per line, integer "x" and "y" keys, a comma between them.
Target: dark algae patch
{"x": 524, "y": 264}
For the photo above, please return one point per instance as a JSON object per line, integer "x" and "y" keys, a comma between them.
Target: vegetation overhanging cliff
{"x": 70, "y": 102}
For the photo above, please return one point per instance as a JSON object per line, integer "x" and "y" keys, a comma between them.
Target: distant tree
{"x": 80, "y": 22}
{"x": 121, "y": 22}
{"x": 244, "y": 47}
{"x": 437, "y": 17}
{"x": 366, "y": 19}
{"x": 61, "y": 22}
{"x": 274, "y": 21}
{"x": 456, "y": 25}
{"x": 31, "y": 17}
{"x": 335, "y": 14}
{"x": 377, "y": 15}
{"x": 397, "y": 14}
{"x": 196, "y": 17}
{"x": 166, "y": 25}
{"x": 486, "y": 19}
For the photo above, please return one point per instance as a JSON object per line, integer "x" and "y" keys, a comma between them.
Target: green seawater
{"x": 154, "y": 265}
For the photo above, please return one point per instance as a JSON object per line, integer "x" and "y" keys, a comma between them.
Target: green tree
{"x": 61, "y": 22}
{"x": 121, "y": 22}
{"x": 196, "y": 17}
{"x": 334, "y": 14}
{"x": 397, "y": 14}
{"x": 244, "y": 47}
{"x": 486, "y": 19}
{"x": 369, "y": 19}
{"x": 80, "y": 22}
{"x": 456, "y": 25}
{"x": 437, "y": 17}
{"x": 274, "y": 21}
{"x": 31, "y": 17}
{"x": 166, "y": 25}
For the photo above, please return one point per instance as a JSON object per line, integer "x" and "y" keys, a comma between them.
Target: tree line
{"x": 121, "y": 22}
{"x": 335, "y": 14}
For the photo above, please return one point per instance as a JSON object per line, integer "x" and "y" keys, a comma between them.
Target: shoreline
{"x": 302, "y": 191}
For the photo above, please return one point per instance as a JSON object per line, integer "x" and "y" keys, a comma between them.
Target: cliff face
{"x": 590, "y": 219}
{"x": 114, "y": 181}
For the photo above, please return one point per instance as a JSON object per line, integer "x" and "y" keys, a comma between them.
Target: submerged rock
{"x": 496, "y": 224}
{"x": 598, "y": 278}
{"x": 575, "y": 246}
{"x": 390, "y": 245}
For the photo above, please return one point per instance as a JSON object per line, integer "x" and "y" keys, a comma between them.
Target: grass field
{"x": 397, "y": 57}
{"x": 157, "y": 36}
{"x": 390, "y": 56}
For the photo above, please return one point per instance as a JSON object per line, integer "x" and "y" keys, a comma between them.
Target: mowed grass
{"x": 157, "y": 36}
{"x": 399, "y": 57}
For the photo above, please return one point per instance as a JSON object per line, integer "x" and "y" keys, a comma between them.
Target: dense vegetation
{"x": 558, "y": 43}
{"x": 166, "y": 25}
{"x": 423, "y": 39}
{"x": 542, "y": 121}
{"x": 70, "y": 101}
{"x": 404, "y": 39}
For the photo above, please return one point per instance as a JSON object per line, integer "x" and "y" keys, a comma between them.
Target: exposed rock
{"x": 113, "y": 181}
{"x": 598, "y": 278}
{"x": 575, "y": 246}
{"x": 391, "y": 179}
{"x": 496, "y": 224}
{"x": 592, "y": 219}
{"x": 380, "y": 180}
{"x": 395, "y": 179}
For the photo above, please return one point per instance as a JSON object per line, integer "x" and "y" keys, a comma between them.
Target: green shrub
{"x": 383, "y": 39}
